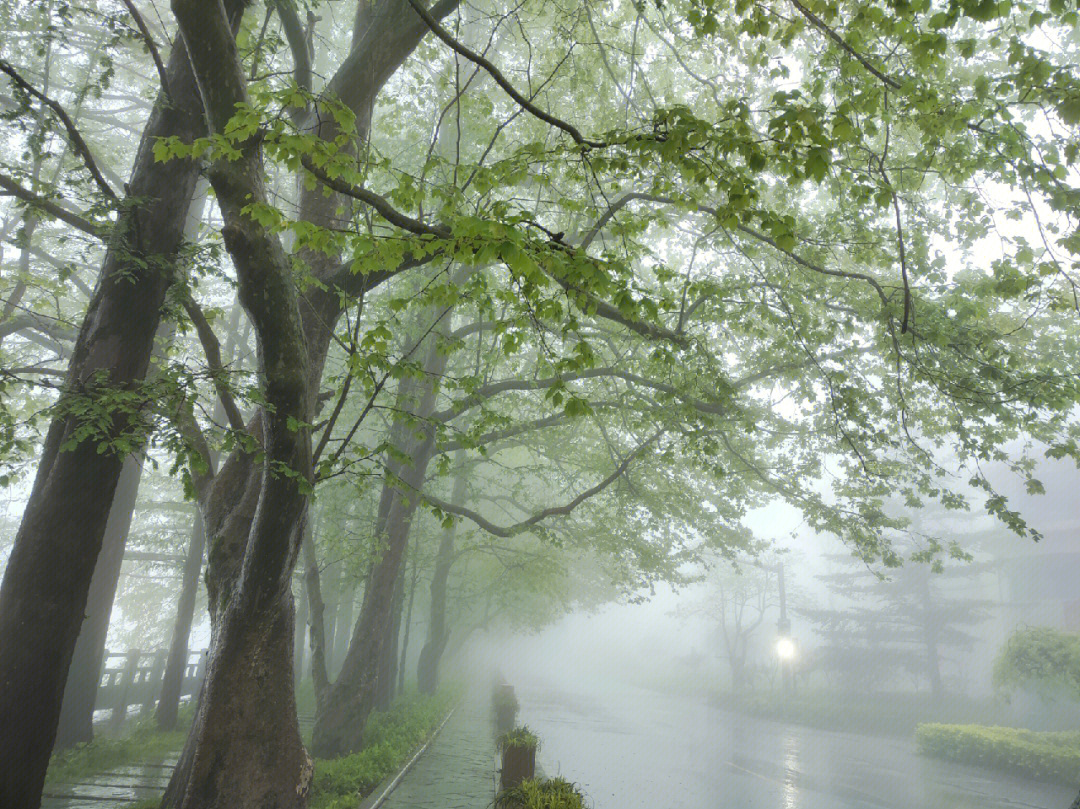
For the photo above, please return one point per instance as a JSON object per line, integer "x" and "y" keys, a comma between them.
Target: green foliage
{"x": 541, "y": 793}
{"x": 142, "y": 743}
{"x": 389, "y": 739}
{"x": 520, "y": 738}
{"x": 1041, "y": 756}
{"x": 1044, "y": 658}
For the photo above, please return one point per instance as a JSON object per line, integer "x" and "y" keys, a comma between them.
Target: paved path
{"x": 458, "y": 770}
{"x": 635, "y": 749}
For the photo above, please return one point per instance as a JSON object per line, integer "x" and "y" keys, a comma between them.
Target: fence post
{"x": 123, "y": 690}
{"x": 153, "y": 682}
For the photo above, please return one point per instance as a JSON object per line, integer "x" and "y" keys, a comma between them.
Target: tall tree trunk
{"x": 340, "y": 721}
{"x": 316, "y": 611}
{"x": 176, "y": 665}
{"x": 76, "y": 724}
{"x": 299, "y": 647}
{"x": 343, "y": 623}
{"x": 427, "y": 669}
{"x": 387, "y": 665}
{"x": 48, "y": 575}
{"x": 408, "y": 620}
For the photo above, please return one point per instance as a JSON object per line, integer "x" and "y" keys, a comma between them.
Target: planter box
{"x": 518, "y": 763}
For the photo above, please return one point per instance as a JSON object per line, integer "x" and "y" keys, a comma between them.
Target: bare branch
{"x": 74, "y": 136}
{"x": 151, "y": 46}
{"x": 48, "y": 206}
{"x": 554, "y": 511}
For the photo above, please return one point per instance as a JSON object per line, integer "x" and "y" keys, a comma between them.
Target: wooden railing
{"x": 134, "y": 678}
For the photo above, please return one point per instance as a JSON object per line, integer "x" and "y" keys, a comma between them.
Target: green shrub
{"x": 541, "y": 793}
{"x": 1049, "y": 756}
{"x": 519, "y": 737}
{"x": 389, "y": 740}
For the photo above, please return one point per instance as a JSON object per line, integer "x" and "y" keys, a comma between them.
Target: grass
{"x": 1041, "y": 756}
{"x": 390, "y": 739}
{"x": 541, "y": 793}
{"x": 519, "y": 737}
{"x": 140, "y": 743}
{"x": 886, "y": 714}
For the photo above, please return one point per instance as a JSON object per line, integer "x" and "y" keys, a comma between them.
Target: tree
{"x": 1041, "y": 657}
{"x": 905, "y": 622}
{"x": 766, "y": 244}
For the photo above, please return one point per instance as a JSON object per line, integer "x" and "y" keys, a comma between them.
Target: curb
{"x": 379, "y": 795}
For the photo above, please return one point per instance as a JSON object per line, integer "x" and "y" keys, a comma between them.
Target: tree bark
{"x": 316, "y": 611}
{"x": 48, "y": 575}
{"x": 76, "y": 724}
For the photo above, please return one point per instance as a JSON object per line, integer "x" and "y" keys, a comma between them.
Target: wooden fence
{"x": 134, "y": 678}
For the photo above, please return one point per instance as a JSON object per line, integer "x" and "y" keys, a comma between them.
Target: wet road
{"x": 631, "y": 748}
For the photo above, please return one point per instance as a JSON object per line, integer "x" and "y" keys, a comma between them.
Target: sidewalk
{"x": 458, "y": 770}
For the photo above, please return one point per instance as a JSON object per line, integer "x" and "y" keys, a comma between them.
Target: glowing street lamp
{"x": 786, "y": 650}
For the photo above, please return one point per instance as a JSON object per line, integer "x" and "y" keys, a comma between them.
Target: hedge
{"x": 1049, "y": 756}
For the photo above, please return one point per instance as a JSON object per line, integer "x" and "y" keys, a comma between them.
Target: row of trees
{"x": 405, "y": 280}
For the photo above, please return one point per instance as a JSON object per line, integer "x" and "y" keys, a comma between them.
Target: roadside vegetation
{"x": 1040, "y": 756}
{"x": 390, "y": 738}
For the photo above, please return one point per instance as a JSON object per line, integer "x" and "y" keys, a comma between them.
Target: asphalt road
{"x": 630, "y": 748}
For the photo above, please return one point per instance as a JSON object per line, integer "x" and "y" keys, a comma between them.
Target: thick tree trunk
{"x": 173, "y": 681}
{"x": 80, "y": 692}
{"x": 47, "y": 579}
{"x": 427, "y": 669}
{"x": 249, "y": 686}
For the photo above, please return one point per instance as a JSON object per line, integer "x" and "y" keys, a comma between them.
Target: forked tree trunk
{"x": 386, "y": 33}
{"x": 48, "y": 575}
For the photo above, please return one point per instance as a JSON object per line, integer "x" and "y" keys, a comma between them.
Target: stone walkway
{"x": 459, "y": 768}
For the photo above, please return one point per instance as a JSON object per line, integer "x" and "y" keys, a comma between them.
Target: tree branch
{"x": 73, "y": 135}
{"x": 48, "y": 206}
{"x": 554, "y": 511}
{"x": 500, "y": 79}
{"x": 212, "y": 349}
{"x": 148, "y": 40}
